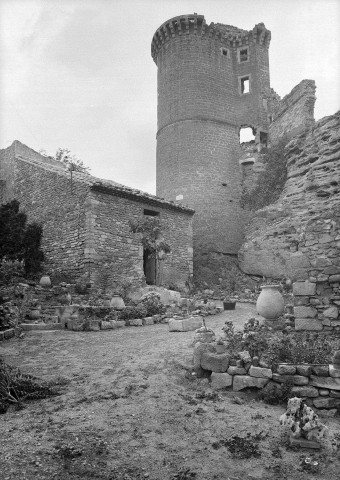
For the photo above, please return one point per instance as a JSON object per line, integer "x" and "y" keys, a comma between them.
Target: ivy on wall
{"x": 271, "y": 182}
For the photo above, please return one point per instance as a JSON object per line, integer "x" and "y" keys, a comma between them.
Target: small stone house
{"x": 86, "y": 222}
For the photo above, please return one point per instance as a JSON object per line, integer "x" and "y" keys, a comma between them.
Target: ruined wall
{"x": 299, "y": 235}
{"x": 294, "y": 113}
{"x": 200, "y": 110}
{"x": 115, "y": 254}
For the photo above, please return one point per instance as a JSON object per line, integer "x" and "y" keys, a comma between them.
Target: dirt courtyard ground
{"x": 130, "y": 409}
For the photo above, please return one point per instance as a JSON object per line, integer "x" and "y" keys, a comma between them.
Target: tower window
{"x": 244, "y": 83}
{"x": 225, "y": 52}
{"x": 243, "y": 54}
{"x": 150, "y": 213}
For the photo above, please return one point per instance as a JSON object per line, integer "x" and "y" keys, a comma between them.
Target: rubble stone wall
{"x": 299, "y": 235}
{"x": 294, "y": 113}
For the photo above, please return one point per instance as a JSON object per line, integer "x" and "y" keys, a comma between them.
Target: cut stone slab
{"x": 305, "y": 312}
{"x": 260, "y": 372}
{"x": 324, "y": 392}
{"x": 326, "y": 402}
{"x": 284, "y": 369}
{"x": 325, "y": 382}
{"x": 221, "y": 380}
{"x": 304, "y": 370}
{"x": 334, "y": 371}
{"x": 304, "y": 288}
{"x": 297, "y": 379}
{"x": 241, "y": 382}
{"x": 148, "y": 321}
{"x": 308, "y": 324}
{"x": 185, "y": 325}
{"x": 334, "y": 394}
{"x": 236, "y": 371}
{"x": 106, "y": 325}
{"x": 320, "y": 370}
{"x": 303, "y": 443}
{"x": 199, "y": 349}
{"x": 309, "y": 391}
{"x": 216, "y": 362}
{"x": 331, "y": 312}
{"x": 136, "y": 322}
{"x": 9, "y": 333}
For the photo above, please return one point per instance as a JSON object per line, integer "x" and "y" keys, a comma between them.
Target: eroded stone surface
{"x": 215, "y": 362}
{"x": 326, "y": 402}
{"x": 325, "y": 382}
{"x": 334, "y": 371}
{"x": 221, "y": 380}
{"x": 309, "y": 391}
{"x": 236, "y": 370}
{"x": 284, "y": 369}
{"x": 297, "y": 379}
{"x": 312, "y": 324}
{"x": 260, "y": 372}
{"x": 245, "y": 381}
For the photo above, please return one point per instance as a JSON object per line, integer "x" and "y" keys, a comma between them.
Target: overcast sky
{"x": 79, "y": 73}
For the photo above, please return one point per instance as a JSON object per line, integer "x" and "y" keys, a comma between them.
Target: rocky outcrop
{"x": 299, "y": 235}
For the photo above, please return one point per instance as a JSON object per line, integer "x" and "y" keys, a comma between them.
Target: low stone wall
{"x": 318, "y": 384}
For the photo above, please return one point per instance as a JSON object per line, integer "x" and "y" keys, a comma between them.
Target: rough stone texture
{"x": 199, "y": 349}
{"x": 334, "y": 371}
{"x": 305, "y": 312}
{"x": 185, "y": 325}
{"x": 297, "y": 379}
{"x": 308, "y": 324}
{"x": 304, "y": 288}
{"x": 221, "y": 380}
{"x": 298, "y": 236}
{"x": 325, "y": 382}
{"x": 326, "y": 402}
{"x": 320, "y": 370}
{"x": 136, "y": 322}
{"x": 148, "y": 321}
{"x": 215, "y": 362}
{"x": 86, "y": 230}
{"x": 283, "y": 369}
{"x": 241, "y": 382}
{"x": 200, "y": 111}
{"x": 260, "y": 372}
{"x": 304, "y": 370}
{"x": 331, "y": 312}
{"x": 307, "y": 391}
{"x": 334, "y": 393}
{"x": 237, "y": 371}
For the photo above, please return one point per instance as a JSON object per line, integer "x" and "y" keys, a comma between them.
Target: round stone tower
{"x": 212, "y": 80}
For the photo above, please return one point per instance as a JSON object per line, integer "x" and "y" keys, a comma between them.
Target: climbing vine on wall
{"x": 20, "y": 241}
{"x": 152, "y": 234}
{"x": 272, "y": 180}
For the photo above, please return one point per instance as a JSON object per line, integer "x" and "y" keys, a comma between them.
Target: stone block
{"x": 310, "y": 324}
{"x": 334, "y": 393}
{"x": 325, "y": 382}
{"x": 9, "y": 333}
{"x": 332, "y": 270}
{"x": 136, "y": 322}
{"x": 297, "y": 379}
{"x": 215, "y": 362}
{"x": 307, "y": 391}
{"x": 304, "y": 370}
{"x": 105, "y": 325}
{"x": 199, "y": 349}
{"x": 113, "y": 324}
{"x": 120, "y": 323}
{"x": 221, "y": 380}
{"x": 324, "y": 392}
{"x": 334, "y": 371}
{"x": 241, "y": 382}
{"x": 303, "y": 443}
{"x": 323, "y": 402}
{"x": 322, "y": 277}
{"x": 236, "y": 371}
{"x": 304, "y": 288}
{"x": 28, "y": 327}
{"x": 175, "y": 325}
{"x": 301, "y": 301}
{"x": 305, "y": 312}
{"x": 284, "y": 369}
{"x": 320, "y": 370}
{"x": 94, "y": 325}
{"x": 331, "y": 312}
{"x": 192, "y": 323}
{"x": 260, "y": 372}
{"x": 148, "y": 321}
{"x": 334, "y": 278}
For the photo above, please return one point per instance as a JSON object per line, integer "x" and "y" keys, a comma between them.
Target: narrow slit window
{"x": 225, "y": 52}
{"x": 245, "y": 85}
{"x": 150, "y": 213}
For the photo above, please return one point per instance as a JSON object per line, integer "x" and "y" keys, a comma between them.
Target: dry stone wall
{"x": 299, "y": 236}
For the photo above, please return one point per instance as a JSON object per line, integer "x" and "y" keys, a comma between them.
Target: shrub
{"x": 11, "y": 270}
{"x": 151, "y": 302}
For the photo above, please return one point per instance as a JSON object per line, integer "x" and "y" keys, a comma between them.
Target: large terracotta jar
{"x": 117, "y": 302}
{"x": 270, "y": 303}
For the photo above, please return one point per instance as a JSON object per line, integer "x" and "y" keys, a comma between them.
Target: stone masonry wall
{"x": 299, "y": 235}
{"x": 114, "y": 254}
{"x": 294, "y": 113}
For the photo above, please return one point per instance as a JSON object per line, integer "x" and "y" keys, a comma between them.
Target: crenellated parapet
{"x": 195, "y": 25}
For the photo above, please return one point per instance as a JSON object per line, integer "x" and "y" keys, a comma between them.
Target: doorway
{"x": 150, "y": 266}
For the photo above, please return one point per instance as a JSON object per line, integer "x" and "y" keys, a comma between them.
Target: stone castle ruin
{"x": 213, "y": 84}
